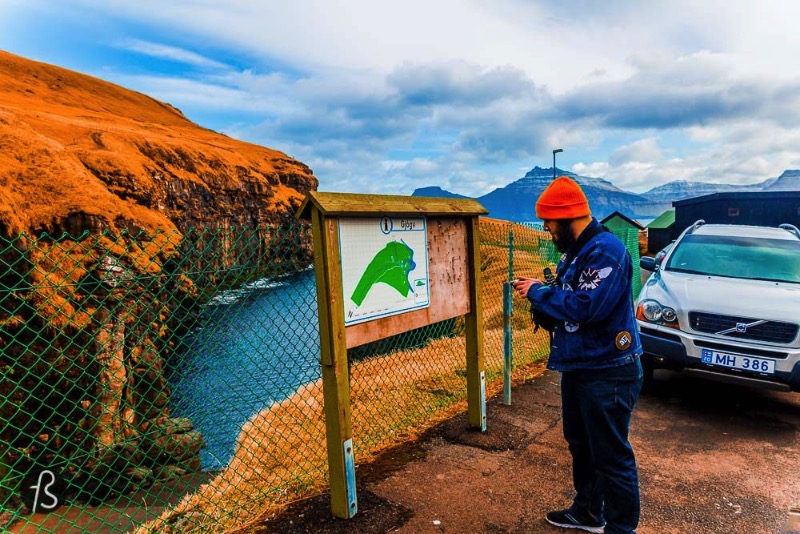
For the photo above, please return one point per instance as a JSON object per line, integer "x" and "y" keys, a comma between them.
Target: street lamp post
{"x": 555, "y": 151}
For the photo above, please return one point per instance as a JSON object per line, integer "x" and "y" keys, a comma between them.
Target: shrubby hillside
{"x": 78, "y": 153}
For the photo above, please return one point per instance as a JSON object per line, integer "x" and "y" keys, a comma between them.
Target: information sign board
{"x": 384, "y": 266}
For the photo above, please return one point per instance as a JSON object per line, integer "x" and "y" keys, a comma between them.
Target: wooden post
{"x": 333, "y": 356}
{"x": 476, "y": 377}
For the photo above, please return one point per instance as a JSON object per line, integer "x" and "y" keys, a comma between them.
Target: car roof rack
{"x": 790, "y": 228}
{"x": 697, "y": 224}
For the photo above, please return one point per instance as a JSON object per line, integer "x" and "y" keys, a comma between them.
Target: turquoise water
{"x": 253, "y": 346}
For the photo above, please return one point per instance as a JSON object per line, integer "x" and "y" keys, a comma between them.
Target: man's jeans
{"x": 596, "y": 406}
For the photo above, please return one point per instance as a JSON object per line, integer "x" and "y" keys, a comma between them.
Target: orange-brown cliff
{"x": 79, "y": 153}
{"x": 93, "y": 319}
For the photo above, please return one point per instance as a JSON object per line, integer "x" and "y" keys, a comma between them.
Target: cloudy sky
{"x": 384, "y": 97}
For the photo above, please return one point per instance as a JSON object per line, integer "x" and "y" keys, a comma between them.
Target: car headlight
{"x": 653, "y": 311}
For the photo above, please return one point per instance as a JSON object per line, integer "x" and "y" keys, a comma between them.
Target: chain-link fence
{"x": 171, "y": 382}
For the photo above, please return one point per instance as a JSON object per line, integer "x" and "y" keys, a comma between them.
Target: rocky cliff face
{"x": 110, "y": 202}
{"x": 78, "y": 153}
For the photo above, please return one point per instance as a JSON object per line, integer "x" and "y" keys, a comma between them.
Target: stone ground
{"x": 713, "y": 458}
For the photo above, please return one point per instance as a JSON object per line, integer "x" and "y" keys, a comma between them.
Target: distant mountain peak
{"x": 547, "y": 172}
{"x": 788, "y": 181}
{"x": 435, "y": 191}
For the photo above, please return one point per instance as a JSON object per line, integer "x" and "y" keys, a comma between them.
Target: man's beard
{"x": 562, "y": 237}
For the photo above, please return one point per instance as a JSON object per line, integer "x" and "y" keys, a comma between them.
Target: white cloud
{"x": 596, "y": 168}
{"x": 415, "y": 167}
{"x": 182, "y": 92}
{"x": 703, "y": 133}
{"x": 170, "y": 53}
{"x": 644, "y": 151}
{"x": 384, "y": 96}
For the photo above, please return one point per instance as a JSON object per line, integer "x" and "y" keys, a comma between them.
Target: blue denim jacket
{"x": 592, "y": 303}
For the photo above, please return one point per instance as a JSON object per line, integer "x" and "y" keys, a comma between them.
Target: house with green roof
{"x": 617, "y": 220}
{"x": 631, "y": 233}
{"x": 659, "y": 232}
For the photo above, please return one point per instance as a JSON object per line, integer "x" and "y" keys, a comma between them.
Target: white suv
{"x": 724, "y": 303}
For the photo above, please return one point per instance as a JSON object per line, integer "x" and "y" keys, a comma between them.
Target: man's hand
{"x": 522, "y": 284}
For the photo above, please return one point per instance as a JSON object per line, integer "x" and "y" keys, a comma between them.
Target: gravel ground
{"x": 713, "y": 458}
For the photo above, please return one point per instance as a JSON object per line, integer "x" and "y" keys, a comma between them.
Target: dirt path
{"x": 124, "y": 515}
{"x": 713, "y": 458}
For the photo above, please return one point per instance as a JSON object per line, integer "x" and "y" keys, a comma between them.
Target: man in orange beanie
{"x": 596, "y": 348}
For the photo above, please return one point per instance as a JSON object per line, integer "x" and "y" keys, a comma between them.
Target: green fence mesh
{"x": 171, "y": 382}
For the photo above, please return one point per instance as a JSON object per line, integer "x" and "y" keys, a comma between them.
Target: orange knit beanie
{"x": 562, "y": 199}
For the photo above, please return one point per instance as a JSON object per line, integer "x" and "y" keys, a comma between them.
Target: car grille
{"x": 771, "y": 331}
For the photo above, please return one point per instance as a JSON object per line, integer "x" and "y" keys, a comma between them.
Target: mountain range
{"x": 515, "y": 202}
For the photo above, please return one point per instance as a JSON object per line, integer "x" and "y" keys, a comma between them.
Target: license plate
{"x": 737, "y": 361}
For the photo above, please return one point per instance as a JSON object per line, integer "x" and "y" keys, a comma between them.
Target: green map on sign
{"x": 391, "y": 266}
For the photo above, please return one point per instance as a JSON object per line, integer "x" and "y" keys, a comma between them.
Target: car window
{"x": 737, "y": 257}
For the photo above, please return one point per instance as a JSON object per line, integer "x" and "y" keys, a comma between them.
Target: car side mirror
{"x": 648, "y": 263}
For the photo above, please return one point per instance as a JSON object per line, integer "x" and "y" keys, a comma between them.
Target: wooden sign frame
{"x": 455, "y": 289}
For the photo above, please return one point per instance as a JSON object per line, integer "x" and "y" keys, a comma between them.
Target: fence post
{"x": 507, "y": 354}
{"x": 476, "y": 375}
{"x": 508, "y": 312}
